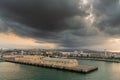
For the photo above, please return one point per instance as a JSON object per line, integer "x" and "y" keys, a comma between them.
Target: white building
{"x": 116, "y": 55}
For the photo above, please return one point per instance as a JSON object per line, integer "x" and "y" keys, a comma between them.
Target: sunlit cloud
{"x": 11, "y": 40}
{"x": 85, "y": 2}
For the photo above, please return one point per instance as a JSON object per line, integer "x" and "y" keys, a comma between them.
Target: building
{"x": 28, "y": 58}
{"x": 60, "y": 62}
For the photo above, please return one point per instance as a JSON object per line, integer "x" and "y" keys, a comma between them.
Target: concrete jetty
{"x": 54, "y": 63}
{"x": 100, "y": 59}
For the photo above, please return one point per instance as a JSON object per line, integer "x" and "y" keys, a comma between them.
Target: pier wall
{"x": 56, "y": 63}
{"x": 60, "y": 62}
{"x": 42, "y": 60}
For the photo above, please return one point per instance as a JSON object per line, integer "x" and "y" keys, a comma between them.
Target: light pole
{"x": 105, "y": 53}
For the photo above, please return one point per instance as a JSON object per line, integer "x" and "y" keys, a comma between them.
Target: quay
{"x": 52, "y": 63}
{"x": 98, "y": 59}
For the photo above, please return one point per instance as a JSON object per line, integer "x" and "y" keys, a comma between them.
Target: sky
{"x": 84, "y": 24}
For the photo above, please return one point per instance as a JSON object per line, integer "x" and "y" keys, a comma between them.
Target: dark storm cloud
{"x": 77, "y": 41}
{"x": 107, "y": 16}
{"x": 54, "y": 21}
{"x": 45, "y": 15}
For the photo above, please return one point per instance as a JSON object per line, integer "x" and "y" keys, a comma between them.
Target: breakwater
{"x": 54, "y": 63}
{"x": 98, "y": 59}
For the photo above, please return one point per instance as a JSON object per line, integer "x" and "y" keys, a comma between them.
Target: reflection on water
{"x": 115, "y": 69}
{"x": 12, "y": 71}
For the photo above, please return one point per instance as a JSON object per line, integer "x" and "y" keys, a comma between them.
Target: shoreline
{"x": 98, "y": 59}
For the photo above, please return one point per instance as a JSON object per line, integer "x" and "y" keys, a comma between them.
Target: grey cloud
{"x": 73, "y": 41}
{"x": 42, "y": 14}
{"x": 54, "y": 21}
{"x": 107, "y": 16}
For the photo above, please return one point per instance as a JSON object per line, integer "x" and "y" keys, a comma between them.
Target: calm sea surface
{"x": 12, "y": 71}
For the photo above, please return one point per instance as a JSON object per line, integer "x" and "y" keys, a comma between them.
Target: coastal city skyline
{"x": 84, "y": 24}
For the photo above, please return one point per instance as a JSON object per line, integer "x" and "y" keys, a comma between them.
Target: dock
{"x": 100, "y": 59}
{"x": 78, "y": 69}
{"x": 52, "y": 63}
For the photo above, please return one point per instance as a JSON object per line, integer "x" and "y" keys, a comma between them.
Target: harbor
{"x": 53, "y": 63}
{"x": 13, "y": 71}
